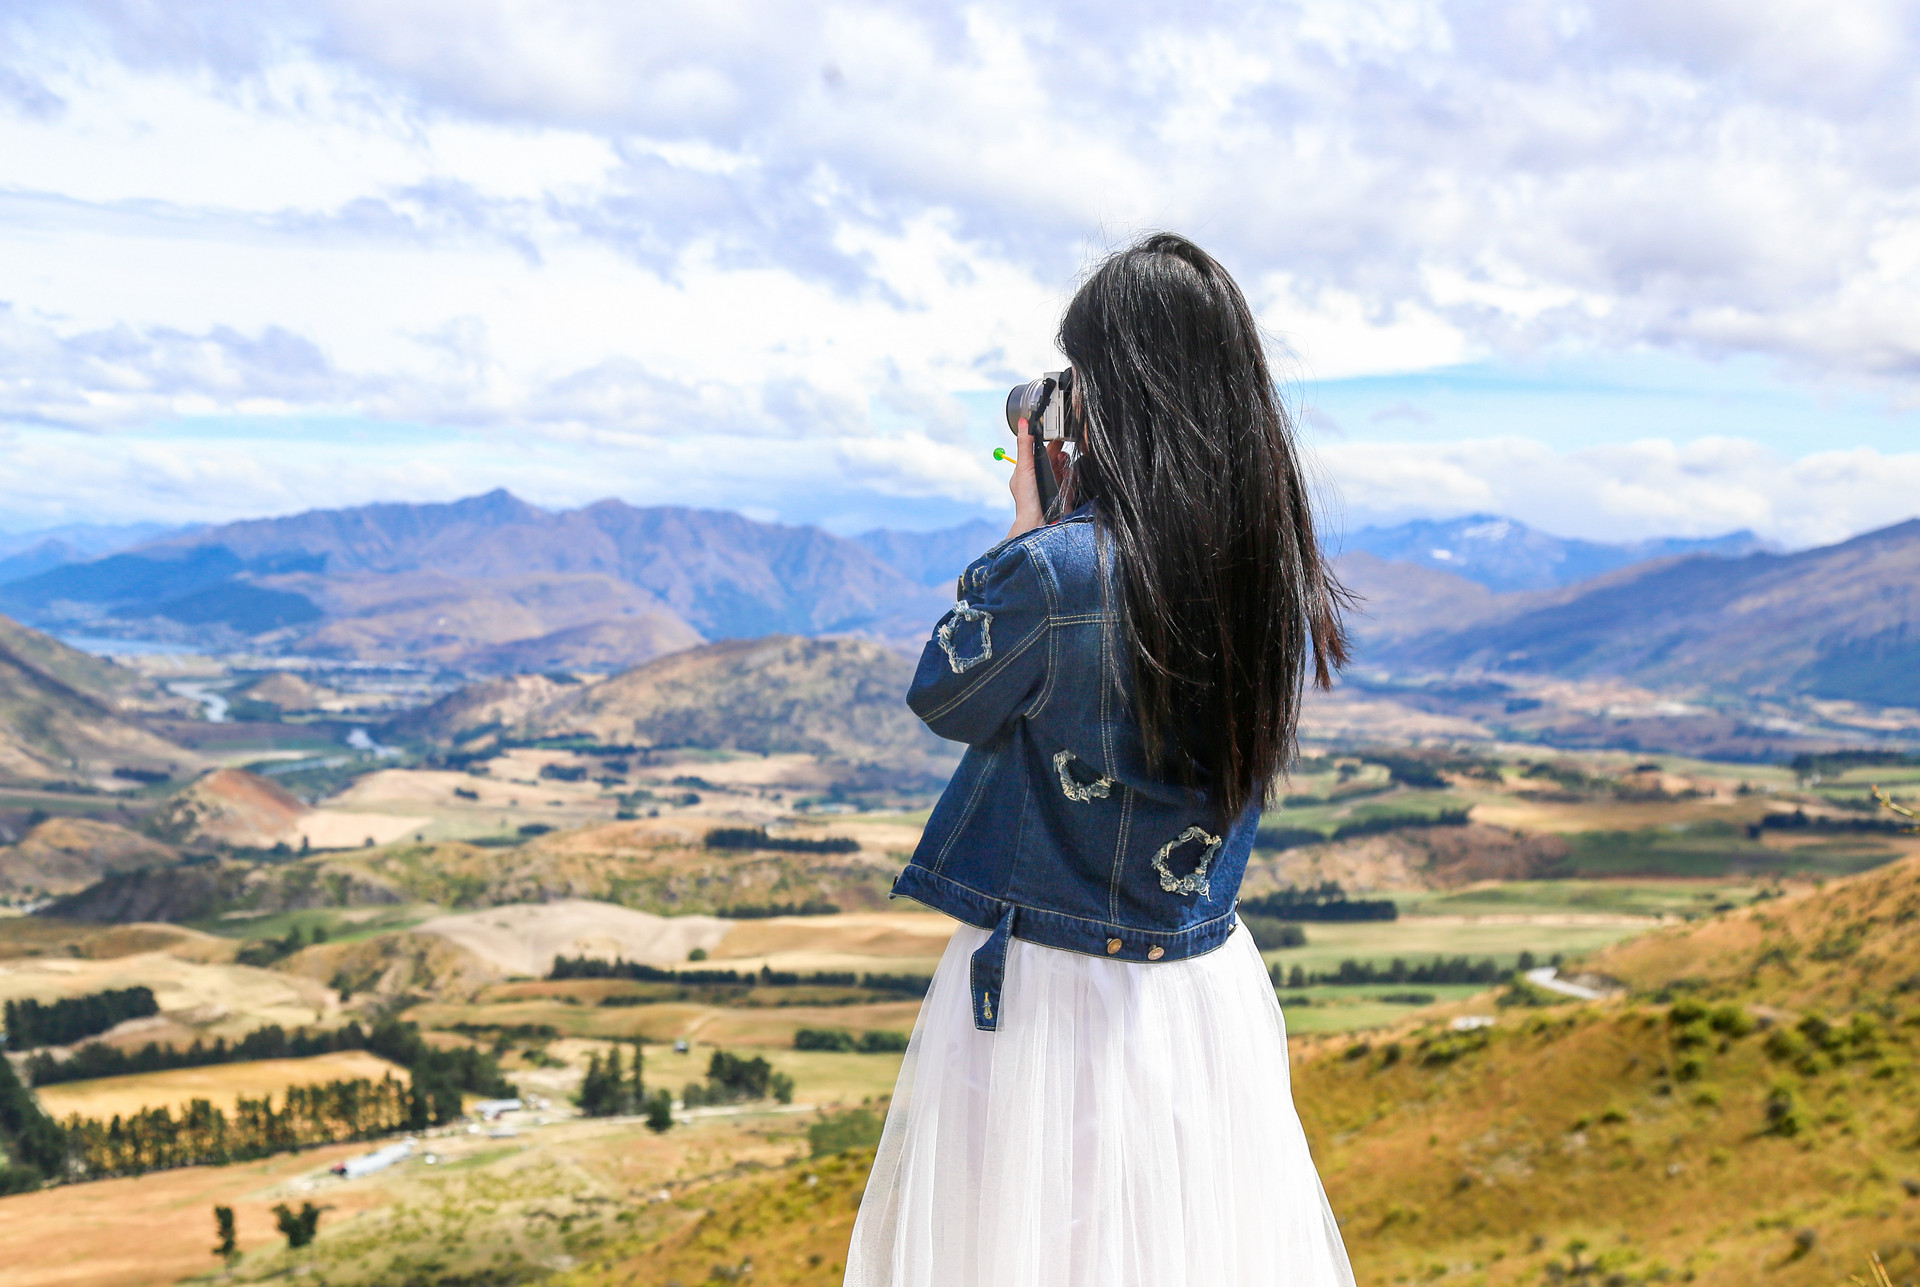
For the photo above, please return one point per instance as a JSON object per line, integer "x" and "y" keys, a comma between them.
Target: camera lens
{"x": 1022, "y": 401}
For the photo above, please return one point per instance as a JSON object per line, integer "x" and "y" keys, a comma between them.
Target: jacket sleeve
{"x": 987, "y": 660}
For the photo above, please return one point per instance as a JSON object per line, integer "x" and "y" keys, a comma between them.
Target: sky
{"x": 1618, "y": 270}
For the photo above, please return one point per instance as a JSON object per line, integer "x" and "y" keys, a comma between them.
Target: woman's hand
{"x": 1027, "y": 511}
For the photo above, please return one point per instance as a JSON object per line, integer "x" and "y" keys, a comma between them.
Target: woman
{"x": 1096, "y": 1092}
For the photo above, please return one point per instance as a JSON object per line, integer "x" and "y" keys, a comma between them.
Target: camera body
{"x": 1041, "y": 403}
{"x": 1038, "y": 409}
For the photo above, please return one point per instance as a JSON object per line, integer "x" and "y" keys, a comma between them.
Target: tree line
{"x": 594, "y": 967}
{"x": 757, "y": 838}
{"x": 95, "y": 1059}
{"x": 1325, "y": 902}
{"x": 731, "y": 1079}
{"x": 61, "y": 1023}
{"x": 201, "y": 1134}
{"x": 1441, "y": 969}
{"x": 438, "y": 1077}
{"x": 839, "y": 1039}
{"x": 153, "y": 1139}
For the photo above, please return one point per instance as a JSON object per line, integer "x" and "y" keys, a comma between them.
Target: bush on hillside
{"x": 854, "y": 1128}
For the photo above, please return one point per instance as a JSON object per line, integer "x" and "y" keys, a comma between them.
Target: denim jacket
{"x": 1054, "y": 829}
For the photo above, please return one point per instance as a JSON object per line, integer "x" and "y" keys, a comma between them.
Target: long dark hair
{"x": 1187, "y": 453}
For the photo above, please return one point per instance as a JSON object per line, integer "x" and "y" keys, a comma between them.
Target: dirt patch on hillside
{"x": 523, "y": 939}
{"x": 328, "y": 829}
{"x": 232, "y": 807}
{"x": 864, "y": 934}
{"x": 1417, "y": 858}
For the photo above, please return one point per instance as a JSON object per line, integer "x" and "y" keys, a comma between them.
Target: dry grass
{"x": 219, "y": 1083}
{"x": 213, "y": 1000}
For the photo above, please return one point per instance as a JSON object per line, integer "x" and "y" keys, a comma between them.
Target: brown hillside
{"x": 840, "y": 698}
{"x": 287, "y": 692}
{"x": 62, "y": 855}
{"x": 480, "y": 709}
{"x": 600, "y": 646}
{"x": 1855, "y": 938}
{"x": 68, "y": 717}
{"x": 652, "y": 865}
{"x": 229, "y": 807}
{"x": 462, "y": 621}
{"x": 1737, "y": 1140}
{"x": 206, "y": 889}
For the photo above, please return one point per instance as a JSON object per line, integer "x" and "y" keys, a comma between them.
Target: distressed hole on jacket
{"x": 966, "y": 636}
{"x": 1195, "y": 881}
{"x": 1074, "y": 782}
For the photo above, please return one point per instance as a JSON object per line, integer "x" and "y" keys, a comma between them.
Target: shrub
{"x": 1685, "y": 1011}
{"x": 823, "y": 1039}
{"x": 1732, "y": 1020}
{"x": 659, "y": 1111}
{"x": 882, "y": 1043}
{"x": 855, "y": 1128}
{"x": 1783, "y": 1112}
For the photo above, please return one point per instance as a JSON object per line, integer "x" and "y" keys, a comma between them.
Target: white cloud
{"x": 1627, "y": 491}
{"x": 593, "y": 221}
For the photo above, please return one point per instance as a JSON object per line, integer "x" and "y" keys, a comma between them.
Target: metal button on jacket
{"x": 1113, "y": 945}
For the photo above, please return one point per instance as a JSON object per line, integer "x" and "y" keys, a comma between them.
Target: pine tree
{"x": 228, "y": 1249}
{"x": 616, "y": 1086}
{"x": 299, "y": 1227}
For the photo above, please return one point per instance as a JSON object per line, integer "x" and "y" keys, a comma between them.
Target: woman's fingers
{"x": 1025, "y": 490}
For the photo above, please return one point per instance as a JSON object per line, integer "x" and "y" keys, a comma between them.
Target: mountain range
{"x": 1504, "y": 554}
{"x": 1839, "y": 621}
{"x": 494, "y": 583}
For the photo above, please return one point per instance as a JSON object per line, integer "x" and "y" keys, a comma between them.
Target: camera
{"x": 1038, "y": 409}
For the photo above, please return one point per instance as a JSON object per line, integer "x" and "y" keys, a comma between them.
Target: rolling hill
{"x": 69, "y": 717}
{"x": 1841, "y": 621}
{"x": 66, "y": 855}
{"x": 840, "y": 699}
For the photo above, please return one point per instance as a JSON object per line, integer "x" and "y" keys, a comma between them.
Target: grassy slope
{"x": 1575, "y": 1143}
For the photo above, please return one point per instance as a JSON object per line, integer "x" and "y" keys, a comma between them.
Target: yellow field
{"x": 769, "y": 1026}
{"x": 220, "y": 1083}
{"x": 213, "y": 999}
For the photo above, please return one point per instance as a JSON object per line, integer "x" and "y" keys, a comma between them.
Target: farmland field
{"x": 104, "y": 1097}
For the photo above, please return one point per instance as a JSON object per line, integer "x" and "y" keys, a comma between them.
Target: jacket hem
{"x": 1061, "y": 930}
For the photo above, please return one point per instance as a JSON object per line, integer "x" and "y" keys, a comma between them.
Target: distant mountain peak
{"x": 1505, "y": 554}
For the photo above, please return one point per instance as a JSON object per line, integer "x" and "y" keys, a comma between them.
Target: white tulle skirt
{"x": 1128, "y": 1126}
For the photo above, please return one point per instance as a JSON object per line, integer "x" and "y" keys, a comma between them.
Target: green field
{"x": 1683, "y": 898}
{"x": 1416, "y": 939}
{"x": 1396, "y": 803}
{"x": 1710, "y": 849}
